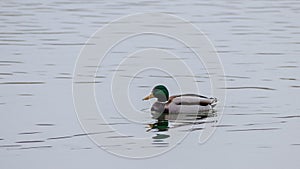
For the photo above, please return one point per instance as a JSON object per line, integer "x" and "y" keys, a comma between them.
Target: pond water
{"x": 258, "y": 44}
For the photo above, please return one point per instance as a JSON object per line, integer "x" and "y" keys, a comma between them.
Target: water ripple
{"x": 250, "y": 87}
{"x": 253, "y": 129}
{"x": 30, "y": 141}
{"x": 29, "y": 133}
{"x": 10, "y": 145}
{"x": 21, "y": 83}
{"x": 35, "y": 147}
{"x": 290, "y": 116}
{"x": 45, "y": 124}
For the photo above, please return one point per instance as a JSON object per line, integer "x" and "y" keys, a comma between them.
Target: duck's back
{"x": 190, "y": 103}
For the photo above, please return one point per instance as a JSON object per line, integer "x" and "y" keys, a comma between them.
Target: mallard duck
{"x": 185, "y": 103}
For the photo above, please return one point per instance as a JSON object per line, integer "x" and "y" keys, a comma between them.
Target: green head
{"x": 160, "y": 92}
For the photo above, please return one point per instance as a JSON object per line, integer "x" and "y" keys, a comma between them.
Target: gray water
{"x": 258, "y": 44}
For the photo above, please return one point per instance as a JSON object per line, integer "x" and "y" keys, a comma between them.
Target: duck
{"x": 183, "y": 103}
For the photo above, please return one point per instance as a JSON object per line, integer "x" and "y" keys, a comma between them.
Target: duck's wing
{"x": 192, "y": 99}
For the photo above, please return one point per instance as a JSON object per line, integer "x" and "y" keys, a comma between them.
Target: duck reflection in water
{"x": 161, "y": 126}
{"x": 163, "y": 120}
{"x": 166, "y": 121}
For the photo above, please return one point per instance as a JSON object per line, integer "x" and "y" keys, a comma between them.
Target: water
{"x": 258, "y": 43}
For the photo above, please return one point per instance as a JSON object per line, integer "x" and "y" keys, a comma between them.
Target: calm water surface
{"x": 258, "y": 43}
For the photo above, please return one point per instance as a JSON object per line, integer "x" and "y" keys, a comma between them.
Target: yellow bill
{"x": 149, "y": 97}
